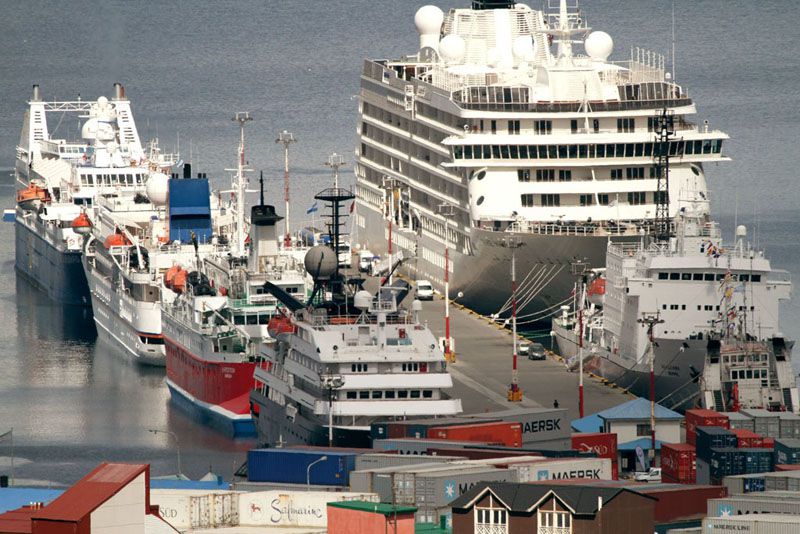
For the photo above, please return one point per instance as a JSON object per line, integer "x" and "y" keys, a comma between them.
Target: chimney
{"x": 37, "y": 95}
{"x": 187, "y": 170}
{"x": 119, "y": 91}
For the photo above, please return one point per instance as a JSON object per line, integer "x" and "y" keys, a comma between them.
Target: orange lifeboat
{"x": 116, "y": 240}
{"x": 597, "y": 287}
{"x": 280, "y": 324}
{"x": 169, "y": 276}
{"x": 179, "y": 281}
{"x": 81, "y": 224}
{"x": 32, "y": 197}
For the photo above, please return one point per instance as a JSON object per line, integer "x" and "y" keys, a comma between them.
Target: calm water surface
{"x": 188, "y": 66}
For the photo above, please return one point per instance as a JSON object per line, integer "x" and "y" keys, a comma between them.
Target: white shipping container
{"x": 752, "y": 524}
{"x": 186, "y": 509}
{"x": 589, "y": 468}
{"x": 754, "y": 503}
{"x": 296, "y": 508}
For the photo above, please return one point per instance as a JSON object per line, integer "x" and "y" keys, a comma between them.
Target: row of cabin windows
{"x": 616, "y": 150}
{"x": 738, "y": 374}
{"x": 251, "y": 319}
{"x": 545, "y": 175}
{"x": 90, "y": 179}
{"x": 359, "y": 368}
{"x": 528, "y": 200}
{"x": 390, "y": 394}
{"x": 701, "y": 307}
{"x": 545, "y": 127}
{"x": 709, "y": 277}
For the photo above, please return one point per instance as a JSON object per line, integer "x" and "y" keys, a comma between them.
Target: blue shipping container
{"x": 291, "y": 465}
{"x": 754, "y": 485}
{"x": 787, "y": 451}
{"x": 726, "y": 462}
{"x": 757, "y": 460}
{"x": 713, "y": 437}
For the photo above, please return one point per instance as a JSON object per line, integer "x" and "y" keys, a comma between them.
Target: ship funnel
{"x": 119, "y": 91}
{"x": 187, "y": 170}
{"x": 37, "y": 95}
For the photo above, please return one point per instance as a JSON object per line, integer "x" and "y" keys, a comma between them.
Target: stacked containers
{"x": 708, "y": 438}
{"x": 290, "y": 466}
{"x": 698, "y": 417}
{"x": 787, "y": 451}
{"x": 543, "y": 427}
{"x": 764, "y": 422}
{"x": 509, "y": 434}
{"x": 604, "y": 445}
{"x": 785, "y": 480}
{"x": 789, "y": 425}
{"x": 739, "y": 420}
{"x": 748, "y": 439}
{"x": 678, "y": 463}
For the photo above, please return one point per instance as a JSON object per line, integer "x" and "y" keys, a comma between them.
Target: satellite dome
{"x": 102, "y": 101}
{"x": 452, "y": 48}
{"x": 428, "y": 20}
{"x": 158, "y": 188}
{"x": 362, "y": 300}
{"x": 321, "y": 262}
{"x": 89, "y": 129}
{"x": 523, "y": 48}
{"x": 741, "y": 231}
{"x": 599, "y": 45}
{"x": 492, "y": 57}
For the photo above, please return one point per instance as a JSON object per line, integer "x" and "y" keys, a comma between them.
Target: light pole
{"x": 286, "y": 138}
{"x": 308, "y": 470}
{"x": 514, "y": 391}
{"x": 650, "y": 320}
{"x": 579, "y": 268}
{"x": 331, "y": 383}
{"x": 447, "y": 211}
{"x": 177, "y": 444}
{"x": 389, "y": 185}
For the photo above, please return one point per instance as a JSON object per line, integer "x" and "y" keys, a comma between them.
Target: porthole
{"x": 480, "y": 200}
{"x": 480, "y": 175}
{"x": 696, "y": 170}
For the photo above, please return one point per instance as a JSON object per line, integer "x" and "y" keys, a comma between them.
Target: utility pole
{"x": 651, "y": 320}
{"x": 514, "y": 391}
{"x": 447, "y": 211}
{"x": 579, "y": 268}
{"x": 286, "y": 138}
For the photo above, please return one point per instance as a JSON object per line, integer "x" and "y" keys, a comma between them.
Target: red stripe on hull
{"x": 220, "y": 383}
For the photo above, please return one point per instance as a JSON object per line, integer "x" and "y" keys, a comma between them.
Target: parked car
{"x": 533, "y": 350}
{"x": 424, "y": 290}
{"x": 653, "y": 475}
{"x": 365, "y": 258}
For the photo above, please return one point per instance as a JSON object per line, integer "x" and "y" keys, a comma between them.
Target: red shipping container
{"x": 478, "y": 454}
{"x": 769, "y": 443}
{"x": 787, "y": 467}
{"x": 509, "y": 434}
{"x": 678, "y": 462}
{"x": 698, "y": 417}
{"x": 747, "y": 439}
{"x": 604, "y": 445}
{"x": 674, "y": 504}
{"x": 396, "y": 430}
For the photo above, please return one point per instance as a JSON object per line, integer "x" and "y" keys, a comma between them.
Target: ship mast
{"x": 240, "y": 183}
{"x": 286, "y": 138}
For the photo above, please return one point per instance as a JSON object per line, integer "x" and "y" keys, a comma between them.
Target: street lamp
{"x": 177, "y": 444}
{"x": 514, "y": 391}
{"x": 447, "y": 211}
{"x": 331, "y": 383}
{"x": 308, "y": 470}
{"x": 286, "y": 138}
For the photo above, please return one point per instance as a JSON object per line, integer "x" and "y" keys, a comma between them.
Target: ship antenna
{"x": 674, "y": 77}
{"x": 664, "y": 135}
{"x": 241, "y": 117}
{"x": 261, "y": 186}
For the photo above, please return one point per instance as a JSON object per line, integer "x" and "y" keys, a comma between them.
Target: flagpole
{"x": 12, "y": 456}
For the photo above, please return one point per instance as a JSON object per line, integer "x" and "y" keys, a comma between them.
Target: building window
{"x": 637, "y": 197}
{"x": 587, "y": 200}
{"x": 643, "y": 430}
{"x": 545, "y": 175}
{"x": 527, "y": 200}
{"x": 513, "y": 127}
{"x": 491, "y": 521}
{"x": 551, "y": 200}
{"x": 543, "y": 127}
{"x": 564, "y": 175}
{"x": 524, "y": 175}
{"x": 552, "y": 522}
{"x": 626, "y": 125}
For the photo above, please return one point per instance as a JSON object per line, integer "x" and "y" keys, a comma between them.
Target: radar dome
{"x": 492, "y": 57}
{"x": 452, "y": 48}
{"x": 741, "y": 231}
{"x": 89, "y": 130}
{"x": 102, "y": 101}
{"x": 320, "y": 262}
{"x": 428, "y": 19}
{"x": 158, "y": 188}
{"x": 362, "y": 300}
{"x": 599, "y": 45}
{"x": 523, "y": 48}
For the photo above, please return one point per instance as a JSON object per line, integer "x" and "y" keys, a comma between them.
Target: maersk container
{"x": 784, "y": 480}
{"x": 560, "y": 469}
{"x": 291, "y": 466}
{"x": 752, "y": 524}
{"x": 756, "y": 503}
{"x": 713, "y": 437}
{"x": 377, "y": 460}
{"x": 508, "y": 434}
{"x": 417, "y": 446}
{"x": 739, "y": 420}
{"x": 538, "y": 424}
{"x": 787, "y": 451}
{"x": 789, "y": 425}
{"x": 765, "y": 422}
{"x": 437, "y": 490}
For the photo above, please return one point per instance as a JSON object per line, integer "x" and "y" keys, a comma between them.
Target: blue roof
{"x": 644, "y": 443}
{"x": 637, "y": 409}
{"x": 590, "y": 423}
{"x": 13, "y": 498}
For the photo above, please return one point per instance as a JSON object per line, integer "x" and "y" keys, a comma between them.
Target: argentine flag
{"x": 312, "y": 209}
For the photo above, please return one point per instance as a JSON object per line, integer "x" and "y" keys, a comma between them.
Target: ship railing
{"x": 588, "y": 229}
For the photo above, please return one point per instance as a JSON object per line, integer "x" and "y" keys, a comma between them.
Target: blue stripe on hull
{"x": 244, "y": 428}
{"x": 59, "y": 274}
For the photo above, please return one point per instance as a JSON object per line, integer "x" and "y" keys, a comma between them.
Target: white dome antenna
{"x": 524, "y": 48}
{"x": 599, "y": 46}
{"x": 428, "y": 21}
{"x": 741, "y": 231}
{"x": 158, "y": 188}
{"x": 453, "y": 48}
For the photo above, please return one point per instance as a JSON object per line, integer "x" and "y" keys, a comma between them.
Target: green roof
{"x": 374, "y": 507}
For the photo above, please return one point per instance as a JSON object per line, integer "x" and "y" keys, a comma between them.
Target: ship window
{"x": 487, "y": 151}
{"x": 353, "y": 368}
{"x": 626, "y": 124}
{"x": 402, "y": 394}
{"x": 717, "y": 146}
{"x": 363, "y": 394}
{"x": 697, "y": 276}
{"x": 545, "y": 175}
{"x": 414, "y": 393}
{"x": 427, "y": 393}
{"x": 552, "y": 152}
{"x": 480, "y": 200}
{"x": 634, "y": 173}
{"x": 663, "y": 276}
{"x": 573, "y": 151}
{"x": 755, "y": 278}
{"x": 744, "y": 277}
{"x": 523, "y": 152}
{"x": 706, "y": 147}
{"x": 601, "y": 151}
{"x": 513, "y": 127}
{"x": 564, "y": 175}
{"x": 673, "y": 306}
{"x": 527, "y": 200}
{"x": 252, "y": 320}
{"x": 263, "y": 318}
{"x": 389, "y": 394}
{"x": 377, "y": 394}
{"x": 663, "y": 306}
{"x": 616, "y": 174}
{"x": 587, "y": 200}
{"x": 708, "y": 277}
{"x": 686, "y": 276}
{"x": 238, "y": 319}
{"x": 524, "y": 175}
{"x": 352, "y": 395}
{"x": 542, "y": 127}
{"x": 674, "y": 276}
{"x": 749, "y": 373}
{"x": 573, "y": 126}
{"x": 636, "y": 197}
{"x": 494, "y": 127}
{"x": 708, "y": 307}
{"x": 596, "y": 125}
{"x": 683, "y": 306}
{"x": 514, "y": 151}
{"x": 603, "y": 199}
{"x": 496, "y": 151}
{"x": 551, "y": 200}
{"x": 504, "y": 151}
{"x": 563, "y": 150}
{"x": 629, "y": 150}
{"x": 720, "y": 277}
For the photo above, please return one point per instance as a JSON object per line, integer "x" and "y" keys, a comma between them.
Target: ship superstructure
{"x": 63, "y": 177}
{"x": 699, "y": 290}
{"x": 514, "y": 121}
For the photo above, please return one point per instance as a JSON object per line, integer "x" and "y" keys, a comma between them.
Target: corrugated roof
{"x": 589, "y": 424}
{"x": 91, "y": 491}
{"x": 17, "y": 521}
{"x": 374, "y": 507}
{"x": 637, "y": 409}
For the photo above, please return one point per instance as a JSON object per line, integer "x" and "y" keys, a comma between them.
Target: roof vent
{"x": 492, "y": 4}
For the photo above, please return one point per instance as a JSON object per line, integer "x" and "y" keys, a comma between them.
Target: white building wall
{"x": 666, "y": 431}
{"x": 124, "y": 512}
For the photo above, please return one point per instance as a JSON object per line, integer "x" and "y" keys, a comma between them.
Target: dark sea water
{"x": 188, "y": 66}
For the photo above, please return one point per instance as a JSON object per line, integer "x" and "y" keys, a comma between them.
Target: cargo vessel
{"x": 61, "y": 178}
{"x": 501, "y": 129}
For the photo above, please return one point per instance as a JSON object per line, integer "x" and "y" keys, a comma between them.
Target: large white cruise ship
{"x": 510, "y": 129}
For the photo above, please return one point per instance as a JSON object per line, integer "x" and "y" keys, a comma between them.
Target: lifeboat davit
{"x": 169, "y": 276}
{"x": 81, "y": 224}
{"x": 116, "y": 240}
{"x": 32, "y": 197}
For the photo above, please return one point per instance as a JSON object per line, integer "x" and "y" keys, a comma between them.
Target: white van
{"x": 424, "y": 290}
{"x": 365, "y": 260}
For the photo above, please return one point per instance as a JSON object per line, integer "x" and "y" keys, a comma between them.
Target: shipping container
{"x": 765, "y": 422}
{"x": 417, "y": 446}
{"x": 185, "y": 509}
{"x": 688, "y": 530}
{"x": 739, "y": 420}
{"x": 505, "y": 433}
{"x": 784, "y": 481}
{"x": 438, "y": 489}
{"x": 752, "y": 524}
{"x": 726, "y": 462}
{"x": 755, "y": 503}
{"x": 379, "y": 480}
{"x": 703, "y": 473}
{"x": 789, "y": 425}
{"x": 604, "y": 445}
{"x": 538, "y": 424}
{"x": 740, "y": 484}
{"x": 713, "y": 437}
{"x": 747, "y": 439}
{"x": 419, "y": 428}
{"x": 787, "y": 467}
{"x": 292, "y": 508}
{"x": 479, "y": 454}
{"x": 379, "y": 460}
{"x": 787, "y": 451}
{"x": 556, "y": 469}
{"x": 291, "y": 466}
{"x": 433, "y": 517}
{"x": 678, "y": 462}
{"x": 700, "y": 417}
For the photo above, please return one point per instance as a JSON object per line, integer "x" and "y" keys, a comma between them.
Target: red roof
{"x": 91, "y": 491}
{"x": 18, "y": 520}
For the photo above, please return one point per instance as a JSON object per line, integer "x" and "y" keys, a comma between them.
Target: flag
{"x": 179, "y": 163}
{"x": 9, "y": 434}
{"x": 312, "y": 209}
{"x": 352, "y": 206}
